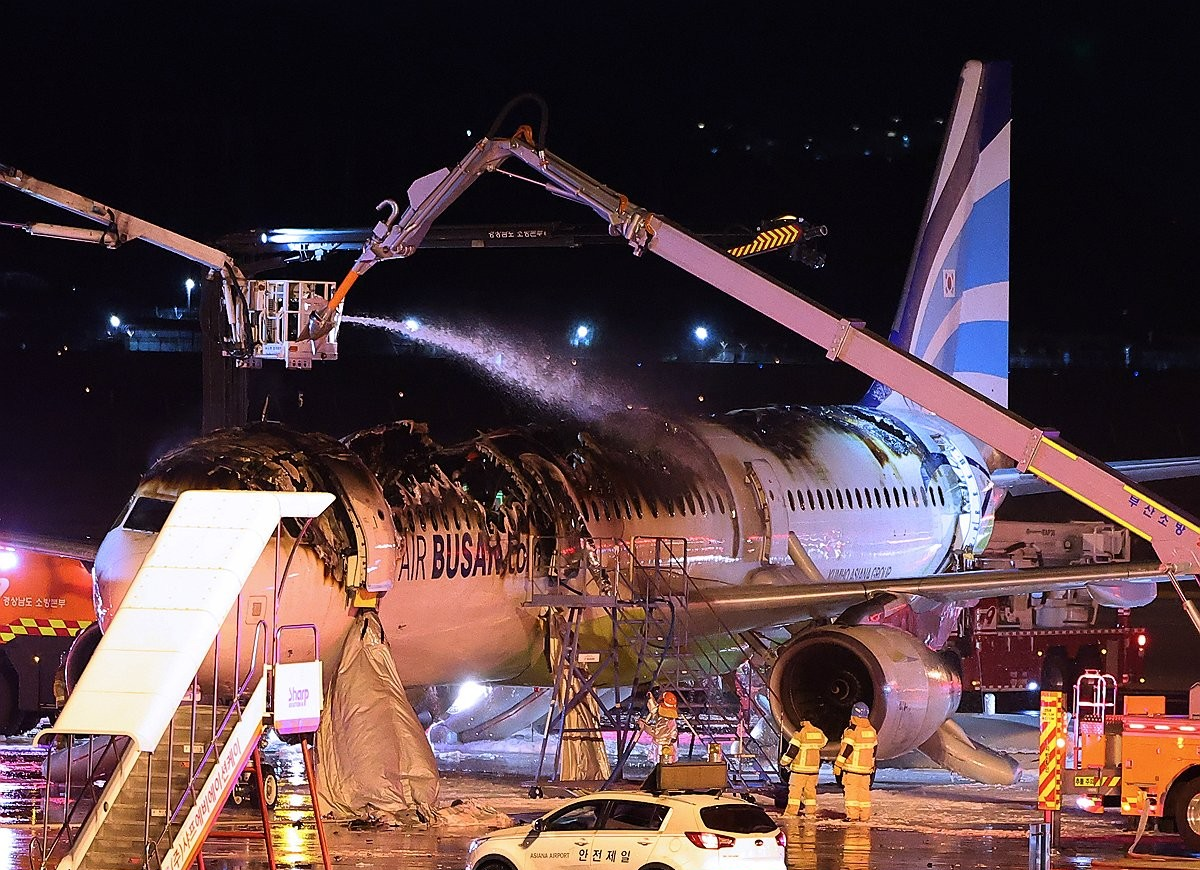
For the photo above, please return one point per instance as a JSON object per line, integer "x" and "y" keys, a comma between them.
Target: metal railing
{"x": 644, "y": 587}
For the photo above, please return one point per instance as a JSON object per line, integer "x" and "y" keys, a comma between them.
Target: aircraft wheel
{"x": 1187, "y": 814}
{"x": 535, "y": 792}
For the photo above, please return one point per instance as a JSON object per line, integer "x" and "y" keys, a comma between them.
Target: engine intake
{"x": 910, "y": 688}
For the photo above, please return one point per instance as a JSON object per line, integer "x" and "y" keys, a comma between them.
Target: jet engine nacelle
{"x": 910, "y": 688}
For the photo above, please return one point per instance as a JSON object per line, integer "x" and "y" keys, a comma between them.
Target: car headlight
{"x": 476, "y": 843}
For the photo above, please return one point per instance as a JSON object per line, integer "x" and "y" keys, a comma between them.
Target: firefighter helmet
{"x": 860, "y": 710}
{"x": 669, "y": 706}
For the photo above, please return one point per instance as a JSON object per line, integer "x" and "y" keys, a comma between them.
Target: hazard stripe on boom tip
{"x": 767, "y": 240}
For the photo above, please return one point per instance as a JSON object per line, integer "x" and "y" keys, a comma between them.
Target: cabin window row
{"x": 440, "y": 518}
{"x": 687, "y": 503}
{"x": 866, "y": 498}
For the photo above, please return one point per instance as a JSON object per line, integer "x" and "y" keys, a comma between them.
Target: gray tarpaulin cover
{"x": 374, "y": 759}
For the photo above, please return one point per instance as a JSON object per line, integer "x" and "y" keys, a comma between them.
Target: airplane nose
{"x": 118, "y": 560}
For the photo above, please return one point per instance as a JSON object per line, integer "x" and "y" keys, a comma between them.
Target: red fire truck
{"x": 1026, "y": 643}
{"x": 44, "y": 603}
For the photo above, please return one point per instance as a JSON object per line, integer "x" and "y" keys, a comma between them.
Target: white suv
{"x": 615, "y": 830}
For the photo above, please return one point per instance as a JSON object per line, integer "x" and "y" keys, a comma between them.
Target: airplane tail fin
{"x": 954, "y": 312}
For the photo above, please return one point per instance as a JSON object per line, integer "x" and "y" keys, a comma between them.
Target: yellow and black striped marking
{"x": 26, "y": 627}
{"x": 768, "y": 240}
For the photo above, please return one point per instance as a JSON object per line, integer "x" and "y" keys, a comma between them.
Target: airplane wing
{"x": 1016, "y": 483}
{"x": 761, "y": 605}
{"x": 83, "y": 550}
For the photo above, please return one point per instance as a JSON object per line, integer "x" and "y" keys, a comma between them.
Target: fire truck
{"x": 1143, "y": 761}
{"x": 1020, "y": 644}
{"x": 45, "y": 602}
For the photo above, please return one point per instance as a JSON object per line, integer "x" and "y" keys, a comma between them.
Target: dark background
{"x": 210, "y": 118}
{"x": 214, "y": 118}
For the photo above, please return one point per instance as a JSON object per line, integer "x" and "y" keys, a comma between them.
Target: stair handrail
{"x": 182, "y": 806}
{"x": 678, "y": 565}
{"x": 90, "y": 825}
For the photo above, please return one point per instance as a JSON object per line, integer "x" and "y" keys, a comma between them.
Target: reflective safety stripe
{"x": 804, "y": 750}
{"x": 862, "y": 742}
{"x": 34, "y": 627}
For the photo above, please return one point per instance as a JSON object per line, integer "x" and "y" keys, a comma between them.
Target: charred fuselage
{"x": 447, "y": 542}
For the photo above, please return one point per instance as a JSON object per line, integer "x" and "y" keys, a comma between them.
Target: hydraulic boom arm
{"x": 1174, "y": 536}
{"x": 120, "y": 228}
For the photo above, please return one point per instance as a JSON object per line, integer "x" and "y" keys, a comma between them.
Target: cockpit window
{"x": 147, "y": 514}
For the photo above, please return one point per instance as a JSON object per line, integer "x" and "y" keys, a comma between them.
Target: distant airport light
{"x": 412, "y": 324}
{"x": 1141, "y": 640}
{"x": 701, "y": 333}
{"x": 582, "y": 335}
{"x": 8, "y": 559}
{"x": 1033, "y": 686}
{"x": 113, "y": 321}
{"x": 189, "y": 285}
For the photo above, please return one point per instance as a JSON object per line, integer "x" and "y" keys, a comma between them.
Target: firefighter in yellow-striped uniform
{"x": 803, "y": 759}
{"x": 856, "y": 762}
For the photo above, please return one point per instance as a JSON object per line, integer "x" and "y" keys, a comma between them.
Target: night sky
{"x": 214, "y": 118}
{"x": 208, "y": 118}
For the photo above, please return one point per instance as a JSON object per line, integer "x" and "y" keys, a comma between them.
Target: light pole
{"x": 189, "y": 285}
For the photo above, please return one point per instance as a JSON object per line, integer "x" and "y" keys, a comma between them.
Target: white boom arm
{"x": 263, "y": 317}
{"x": 121, "y": 228}
{"x": 1174, "y": 536}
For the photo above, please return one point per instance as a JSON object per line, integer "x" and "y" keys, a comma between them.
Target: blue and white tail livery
{"x": 954, "y": 312}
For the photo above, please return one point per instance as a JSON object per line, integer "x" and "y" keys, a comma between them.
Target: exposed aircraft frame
{"x": 1174, "y": 536}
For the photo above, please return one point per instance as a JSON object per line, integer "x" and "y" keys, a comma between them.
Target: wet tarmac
{"x": 922, "y": 819}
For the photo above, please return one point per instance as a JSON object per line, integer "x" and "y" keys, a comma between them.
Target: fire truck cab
{"x": 44, "y": 603}
{"x": 1142, "y": 760}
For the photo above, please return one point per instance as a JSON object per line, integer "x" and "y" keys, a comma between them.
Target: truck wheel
{"x": 1056, "y": 671}
{"x": 1187, "y": 814}
{"x": 1088, "y": 658}
{"x": 270, "y": 787}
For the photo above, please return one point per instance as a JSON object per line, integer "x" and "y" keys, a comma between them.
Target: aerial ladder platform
{"x": 167, "y": 762}
{"x": 1174, "y": 536}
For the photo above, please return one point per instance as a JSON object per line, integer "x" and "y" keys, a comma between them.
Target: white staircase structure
{"x": 173, "y": 761}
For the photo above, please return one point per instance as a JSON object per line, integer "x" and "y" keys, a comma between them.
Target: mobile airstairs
{"x": 617, "y": 620}
{"x": 147, "y": 767}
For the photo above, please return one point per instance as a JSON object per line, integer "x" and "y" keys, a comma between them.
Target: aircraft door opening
{"x": 772, "y": 509}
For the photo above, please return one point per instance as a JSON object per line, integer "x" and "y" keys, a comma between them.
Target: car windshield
{"x": 737, "y": 819}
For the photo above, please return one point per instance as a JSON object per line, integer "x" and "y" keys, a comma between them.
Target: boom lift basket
{"x": 281, "y": 311}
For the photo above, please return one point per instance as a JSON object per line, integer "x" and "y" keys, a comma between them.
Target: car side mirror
{"x": 535, "y": 831}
